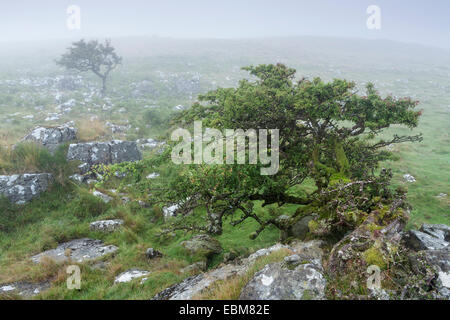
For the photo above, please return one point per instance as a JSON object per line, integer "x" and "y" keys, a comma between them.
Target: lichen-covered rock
{"x": 106, "y": 225}
{"x": 78, "y": 250}
{"x": 203, "y": 245}
{"x": 433, "y": 266}
{"x": 93, "y": 153}
{"x": 278, "y": 282}
{"x": 300, "y": 276}
{"x": 21, "y": 188}
{"x": 52, "y": 137}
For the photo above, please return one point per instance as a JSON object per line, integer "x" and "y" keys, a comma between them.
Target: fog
{"x": 420, "y": 22}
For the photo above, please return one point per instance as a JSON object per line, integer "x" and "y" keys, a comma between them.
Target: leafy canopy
{"x": 328, "y": 135}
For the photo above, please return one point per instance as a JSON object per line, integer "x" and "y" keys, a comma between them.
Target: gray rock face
{"x": 21, "y": 188}
{"x": 440, "y": 231}
{"x": 106, "y": 225}
{"x": 277, "y": 282}
{"x": 52, "y": 137}
{"x": 78, "y": 250}
{"x": 92, "y": 153}
{"x": 418, "y": 240}
{"x": 299, "y": 277}
{"x": 24, "y": 289}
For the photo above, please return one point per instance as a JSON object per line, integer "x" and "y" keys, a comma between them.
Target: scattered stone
{"x": 53, "y": 117}
{"x": 409, "y": 178}
{"x": 77, "y": 178}
{"x": 21, "y": 188}
{"x": 153, "y": 253}
{"x": 441, "y": 195}
{"x": 104, "y": 197}
{"x": 153, "y": 175}
{"x": 170, "y": 211}
{"x": 78, "y": 250}
{"x": 131, "y": 274}
{"x": 106, "y": 225}
{"x": 24, "y": 289}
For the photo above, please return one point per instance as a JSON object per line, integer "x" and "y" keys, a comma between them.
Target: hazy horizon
{"x": 402, "y": 21}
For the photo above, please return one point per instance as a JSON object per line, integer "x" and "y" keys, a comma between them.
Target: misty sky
{"x": 424, "y": 22}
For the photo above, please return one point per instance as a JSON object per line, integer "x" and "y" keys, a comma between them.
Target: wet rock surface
{"x": 78, "y": 250}
{"x": 21, "y": 188}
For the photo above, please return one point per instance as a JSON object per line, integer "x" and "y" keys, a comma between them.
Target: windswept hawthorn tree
{"x": 92, "y": 56}
{"x": 328, "y": 135}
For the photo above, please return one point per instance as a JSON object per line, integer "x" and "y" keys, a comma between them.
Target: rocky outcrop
{"x": 78, "y": 250}
{"x": 298, "y": 277}
{"x": 21, "y": 188}
{"x": 277, "y": 282}
{"x": 52, "y": 137}
{"x": 106, "y": 225}
{"x": 93, "y": 153}
{"x": 195, "y": 285}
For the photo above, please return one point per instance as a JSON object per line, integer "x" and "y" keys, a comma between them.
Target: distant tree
{"x": 93, "y": 56}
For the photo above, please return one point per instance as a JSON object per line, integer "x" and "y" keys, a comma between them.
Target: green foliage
{"x": 29, "y": 157}
{"x": 85, "y": 205}
{"x": 328, "y": 133}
